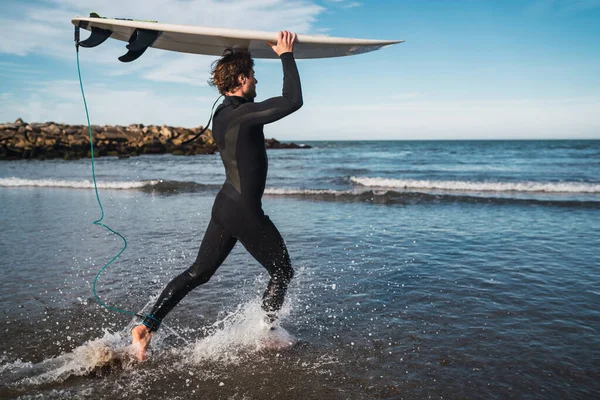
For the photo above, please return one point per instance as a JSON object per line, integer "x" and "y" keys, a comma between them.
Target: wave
{"x": 159, "y": 185}
{"x": 409, "y": 198}
{"x": 83, "y": 184}
{"x": 379, "y": 194}
{"x": 308, "y": 192}
{"x": 471, "y": 186}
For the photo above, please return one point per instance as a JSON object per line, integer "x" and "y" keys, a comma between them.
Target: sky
{"x": 497, "y": 69}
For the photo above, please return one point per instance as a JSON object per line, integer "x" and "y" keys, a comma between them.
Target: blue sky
{"x": 468, "y": 70}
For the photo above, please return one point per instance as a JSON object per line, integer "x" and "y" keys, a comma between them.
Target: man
{"x": 237, "y": 211}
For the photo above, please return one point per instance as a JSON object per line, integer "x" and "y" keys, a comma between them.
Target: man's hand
{"x": 285, "y": 43}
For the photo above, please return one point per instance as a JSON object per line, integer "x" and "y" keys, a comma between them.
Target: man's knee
{"x": 198, "y": 275}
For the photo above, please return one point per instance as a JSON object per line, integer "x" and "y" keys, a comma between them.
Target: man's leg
{"x": 267, "y": 246}
{"x": 216, "y": 246}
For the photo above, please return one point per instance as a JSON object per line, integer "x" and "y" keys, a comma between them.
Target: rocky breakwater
{"x": 22, "y": 140}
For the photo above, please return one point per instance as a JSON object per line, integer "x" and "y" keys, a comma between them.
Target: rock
{"x": 48, "y": 140}
{"x": 207, "y": 138}
{"x": 154, "y": 148}
{"x": 275, "y": 144}
{"x": 166, "y": 132}
{"x": 20, "y": 141}
{"x": 133, "y": 131}
{"x": 71, "y": 156}
{"x": 182, "y": 135}
{"x": 115, "y": 136}
{"x": 6, "y": 135}
{"x": 78, "y": 141}
{"x": 51, "y": 129}
{"x": 7, "y": 126}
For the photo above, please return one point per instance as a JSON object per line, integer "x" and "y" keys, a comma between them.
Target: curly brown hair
{"x": 225, "y": 71}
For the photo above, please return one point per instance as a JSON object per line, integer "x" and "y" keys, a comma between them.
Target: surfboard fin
{"x": 97, "y": 37}
{"x": 139, "y": 41}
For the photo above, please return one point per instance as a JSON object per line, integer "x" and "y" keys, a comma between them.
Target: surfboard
{"x": 212, "y": 41}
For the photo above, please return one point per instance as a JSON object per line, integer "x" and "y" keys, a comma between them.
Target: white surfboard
{"x": 212, "y": 41}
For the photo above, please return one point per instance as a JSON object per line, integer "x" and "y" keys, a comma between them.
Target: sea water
{"x": 426, "y": 269}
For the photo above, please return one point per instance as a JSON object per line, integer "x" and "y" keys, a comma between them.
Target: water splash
{"x": 112, "y": 350}
{"x": 239, "y": 333}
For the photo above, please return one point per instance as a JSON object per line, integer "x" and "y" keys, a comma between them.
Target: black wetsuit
{"x": 237, "y": 211}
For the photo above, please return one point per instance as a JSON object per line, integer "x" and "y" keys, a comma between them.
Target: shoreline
{"x": 49, "y": 140}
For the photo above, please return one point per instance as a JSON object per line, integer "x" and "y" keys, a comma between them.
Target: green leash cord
{"x": 99, "y": 221}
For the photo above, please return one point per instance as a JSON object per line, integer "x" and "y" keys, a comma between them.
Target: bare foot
{"x": 140, "y": 339}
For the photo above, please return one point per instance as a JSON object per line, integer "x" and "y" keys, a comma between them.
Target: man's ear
{"x": 242, "y": 78}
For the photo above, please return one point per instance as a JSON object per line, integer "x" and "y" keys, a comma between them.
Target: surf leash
{"x": 207, "y": 124}
{"x": 99, "y": 221}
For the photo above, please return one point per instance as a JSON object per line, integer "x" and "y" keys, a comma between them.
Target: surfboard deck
{"x": 212, "y": 41}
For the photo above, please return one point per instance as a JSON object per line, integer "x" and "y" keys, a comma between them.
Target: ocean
{"x": 424, "y": 270}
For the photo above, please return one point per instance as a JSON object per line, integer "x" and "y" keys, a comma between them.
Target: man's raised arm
{"x": 276, "y": 108}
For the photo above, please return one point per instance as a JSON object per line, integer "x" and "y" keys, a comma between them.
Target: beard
{"x": 250, "y": 94}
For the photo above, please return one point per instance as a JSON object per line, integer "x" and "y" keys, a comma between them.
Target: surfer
{"x": 237, "y": 210}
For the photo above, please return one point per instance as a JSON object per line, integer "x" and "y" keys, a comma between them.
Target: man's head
{"x": 233, "y": 74}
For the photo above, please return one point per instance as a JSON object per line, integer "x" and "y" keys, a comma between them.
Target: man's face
{"x": 249, "y": 86}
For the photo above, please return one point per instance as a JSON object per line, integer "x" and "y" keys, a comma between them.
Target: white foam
{"x": 82, "y": 184}
{"x": 16, "y": 365}
{"x": 81, "y": 361}
{"x": 290, "y": 192}
{"x": 525, "y": 186}
{"x": 240, "y": 332}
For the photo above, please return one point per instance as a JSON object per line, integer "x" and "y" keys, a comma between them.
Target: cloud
{"x": 47, "y": 31}
{"x": 187, "y": 69}
{"x": 60, "y": 101}
{"x": 345, "y": 3}
{"x": 26, "y": 36}
{"x": 298, "y": 15}
{"x": 10, "y": 69}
